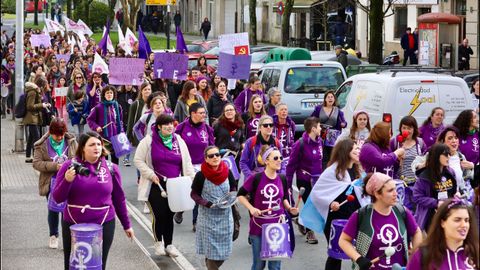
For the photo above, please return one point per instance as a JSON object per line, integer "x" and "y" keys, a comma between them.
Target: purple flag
{"x": 170, "y": 66}
{"x": 42, "y": 39}
{"x": 143, "y": 46}
{"x": 126, "y": 71}
{"x": 65, "y": 57}
{"x": 103, "y": 42}
{"x": 181, "y": 46}
{"x": 234, "y": 66}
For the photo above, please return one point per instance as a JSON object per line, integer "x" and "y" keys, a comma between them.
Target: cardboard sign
{"x": 126, "y": 71}
{"x": 37, "y": 40}
{"x": 234, "y": 66}
{"x": 171, "y": 66}
{"x": 61, "y": 91}
{"x": 229, "y": 42}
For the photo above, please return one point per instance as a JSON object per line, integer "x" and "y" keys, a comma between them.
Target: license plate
{"x": 310, "y": 105}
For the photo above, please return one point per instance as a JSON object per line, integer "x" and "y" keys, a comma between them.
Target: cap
{"x": 338, "y": 47}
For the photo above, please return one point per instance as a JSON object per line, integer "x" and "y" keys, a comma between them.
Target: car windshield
{"x": 313, "y": 79}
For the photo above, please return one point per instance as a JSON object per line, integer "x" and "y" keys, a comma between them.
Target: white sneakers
{"x": 146, "y": 210}
{"x": 171, "y": 251}
{"x": 53, "y": 242}
{"x": 159, "y": 250}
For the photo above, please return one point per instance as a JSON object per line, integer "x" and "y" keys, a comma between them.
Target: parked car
{"x": 258, "y": 60}
{"x": 302, "y": 84}
{"x": 200, "y": 46}
{"x": 30, "y": 6}
{"x": 212, "y": 60}
{"x": 331, "y": 56}
{"x": 468, "y": 76}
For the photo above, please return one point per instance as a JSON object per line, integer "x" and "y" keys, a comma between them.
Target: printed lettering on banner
{"x": 126, "y": 71}
{"x": 171, "y": 66}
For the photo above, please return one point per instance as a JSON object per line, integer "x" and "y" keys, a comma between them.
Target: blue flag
{"x": 311, "y": 218}
{"x": 181, "y": 46}
{"x": 103, "y": 42}
{"x": 143, "y": 45}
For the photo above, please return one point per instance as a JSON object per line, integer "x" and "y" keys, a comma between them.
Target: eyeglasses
{"x": 277, "y": 158}
{"x": 11, "y": 61}
{"x": 229, "y": 110}
{"x": 268, "y": 125}
{"x": 78, "y": 78}
{"x": 213, "y": 155}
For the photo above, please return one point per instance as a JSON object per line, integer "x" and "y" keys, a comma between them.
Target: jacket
{"x": 71, "y": 92}
{"x": 34, "y": 105}
{"x": 306, "y": 161}
{"x": 181, "y": 109}
{"x": 76, "y": 117}
{"x": 143, "y": 162}
{"x": 45, "y": 165}
{"x": 134, "y": 113}
{"x": 342, "y": 59}
{"x": 215, "y": 106}
{"x": 248, "y": 160}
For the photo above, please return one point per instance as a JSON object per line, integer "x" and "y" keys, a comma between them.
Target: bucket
{"x": 334, "y": 249}
{"x": 87, "y": 242}
{"x": 178, "y": 190}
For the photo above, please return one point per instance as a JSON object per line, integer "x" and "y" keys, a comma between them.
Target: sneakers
{"x": 159, "y": 249}
{"x": 146, "y": 210}
{"x": 171, "y": 251}
{"x": 311, "y": 239}
{"x": 126, "y": 163}
{"x": 29, "y": 160}
{"x": 53, "y": 242}
{"x": 178, "y": 217}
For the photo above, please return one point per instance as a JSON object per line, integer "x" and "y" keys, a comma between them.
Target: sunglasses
{"x": 213, "y": 155}
{"x": 78, "y": 78}
{"x": 277, "y": 158}
{"x": 267, "y": 125}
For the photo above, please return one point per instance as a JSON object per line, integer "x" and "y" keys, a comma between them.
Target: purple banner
{"x": 234, "y": 66}
{"x": 66, "y": 57}
{"x": 170, "y": 66}
{"x": 37, "y": 40}
{"x": 121, "y": 145}
{"x": 230, "y": 160}
{"x": 126, "y": 71}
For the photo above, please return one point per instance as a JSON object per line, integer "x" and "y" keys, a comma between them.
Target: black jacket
{"x": 215, "y": 106}
{"x": 342, "y": 59}
{"x": 224, "y": 140}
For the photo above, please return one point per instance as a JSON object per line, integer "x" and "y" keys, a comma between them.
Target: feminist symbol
{"x": 234, "y": 69}
{"x": 122, "y": 138}
{"x": 175, "y": 148}
{"x": 82, "y": 254}
{"x": 475, "y": 144}
{"x": 269, "y": 192}
{"x": 255, "y": 125}
{"x": 275, "y": 236}
{"x": 204, "y": 136}
{"x": 102, "y": 174}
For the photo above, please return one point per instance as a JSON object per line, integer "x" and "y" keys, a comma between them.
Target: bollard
{"x": 19, "y": 135}
{"x": 87, "y": 242}
{"x": 334, "y": 249}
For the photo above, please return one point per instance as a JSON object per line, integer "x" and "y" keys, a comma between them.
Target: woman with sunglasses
{"x": 78, "y": 84}
{"x": 452, "y": 241}
{"x": 210, "y": 185}
{"x": 94, "y": 89}
{"x": 251, "y": 117}
{"x": 261, "y": 212}
{"x": 435, "y": 183}
{"x": 249, "y": 161}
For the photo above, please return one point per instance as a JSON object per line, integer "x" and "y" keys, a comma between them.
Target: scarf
{"x": 231, "y": 126}
{"x": 217, "y": 176}
{"x": 166, "y": 140}
{"x": 57, "y": 146}
{"x": 106, "y": 105}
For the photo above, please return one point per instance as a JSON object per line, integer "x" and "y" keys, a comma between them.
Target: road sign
{"x": 280, "y": 8}
{"x": 161, "y": 2}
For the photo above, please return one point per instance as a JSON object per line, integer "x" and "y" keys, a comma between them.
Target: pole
{"x": 167, "y": 30}
{"x": 19, "y": 80}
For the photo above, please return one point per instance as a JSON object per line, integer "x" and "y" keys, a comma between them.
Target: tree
{"x": 130, "y": 10}
{"x": 35, "y": 12}
{"x": 286, "y": 21}
{"x": 253, "y": 21}
{"x": 69, "y": 8}
{"x": 376, "y": 14}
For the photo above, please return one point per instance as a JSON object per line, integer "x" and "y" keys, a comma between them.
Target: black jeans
{"x": 33, "y": 135}
{"x": 108, "y": 232}
{"x": 162, "y": 221}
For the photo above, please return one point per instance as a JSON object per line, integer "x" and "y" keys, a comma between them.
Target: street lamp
{"x": 19, "y": 80}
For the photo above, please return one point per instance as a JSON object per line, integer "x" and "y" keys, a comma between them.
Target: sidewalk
{"x": 24, "y": 224}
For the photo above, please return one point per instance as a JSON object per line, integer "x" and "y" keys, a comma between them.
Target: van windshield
{"x": 313, "y": 79}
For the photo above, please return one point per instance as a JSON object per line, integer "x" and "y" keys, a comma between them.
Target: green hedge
{"x": 8, "y": 6}
{"x": 98, "y": 14}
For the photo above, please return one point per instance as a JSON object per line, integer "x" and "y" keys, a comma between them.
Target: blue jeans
{"x": 53, "y": 221}
{"x": 258, "y": 264}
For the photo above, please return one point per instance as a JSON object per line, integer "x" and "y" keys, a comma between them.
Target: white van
{"x": 302, "y": 84}
{"x": 395, "y": 94}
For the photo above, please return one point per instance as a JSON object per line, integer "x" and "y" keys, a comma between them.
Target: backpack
{"x": 254, "y": 142}
{"x": 21, "y": 107}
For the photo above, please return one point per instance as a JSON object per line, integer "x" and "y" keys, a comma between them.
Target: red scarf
{"x": 231, "y": 126}
{"x": 215, "y": 176}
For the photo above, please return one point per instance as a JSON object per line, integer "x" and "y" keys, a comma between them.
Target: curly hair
{"x": 463, "y": 122}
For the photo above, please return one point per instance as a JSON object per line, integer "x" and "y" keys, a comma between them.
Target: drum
{"x": 87, "y": 241}
{"x": 275, "y": 242}
{"x": 4, "y": 91}
{"x": 334, "y": 249}
{"x": 121, "y": 145}
{"x": 178, "y": 190}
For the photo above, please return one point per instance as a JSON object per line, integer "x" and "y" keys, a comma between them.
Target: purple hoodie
{"x": 197, "y": 137}
{"x": 305, "y": 163}
{"x": 248, "y": 161}
{"x": 99, "y": 189}
{"x": 94, "y": 100}
{"x": 469, "y": 147}
{"x": 452, "y": 260}
{"x": 243, "y": 99}
{"x": 374, "y": 159}
{"x": 284, "y": 134}
{"x": 97, "y": 119}
{"x": 429, "y": 134}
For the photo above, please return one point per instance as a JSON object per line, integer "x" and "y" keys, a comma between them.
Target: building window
{"x": 461, "y": 7}
{"x": 400, "y": 21}
{"x": 424, "y": 10}
{"x": 279, "y": 19}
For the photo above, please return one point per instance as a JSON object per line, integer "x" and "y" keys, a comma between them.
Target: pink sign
{"x": 38, "y": 40}
{"x": 125, "y": 71}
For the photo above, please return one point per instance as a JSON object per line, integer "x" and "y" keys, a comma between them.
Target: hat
{"x": 338, "y": 47}
{"x": 201, "y": 78}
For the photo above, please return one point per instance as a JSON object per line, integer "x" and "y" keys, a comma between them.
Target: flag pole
{"x": 167, "y": 30}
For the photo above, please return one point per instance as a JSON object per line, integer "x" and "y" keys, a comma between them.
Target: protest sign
{"x": 234, "y": 43}
{"x": 126, "y": 71}
{"x": 65, "y": 57}
{"x": 170, "y": 66}
{"x": 234, "y": 66}
{"x": 61, "y": 91}
{"x": 37, "y": 40}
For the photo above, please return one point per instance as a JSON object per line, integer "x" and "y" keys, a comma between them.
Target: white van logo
{"x": 417, "y": 101}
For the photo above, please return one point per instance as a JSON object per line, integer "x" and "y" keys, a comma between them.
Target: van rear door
{"x": 454, "y": 97}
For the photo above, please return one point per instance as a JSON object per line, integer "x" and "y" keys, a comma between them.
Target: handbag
{"x": 276, "y": 243}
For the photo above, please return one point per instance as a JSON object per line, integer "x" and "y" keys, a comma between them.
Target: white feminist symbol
{"x": 82, "y": 256}
{"x": 388, "y": 235}
{"x": 269, "y": 192}
{"x": 204, "y": 136}
{"x": 175, "y": 148}
{"x": 102, "y": 174}
{"x": 388, "y": 169}
{"x": 122, "y": 138}
{"x": 255, "y": 125}
{"x": 275, "y": 236}
{"x": 475, "y": 144}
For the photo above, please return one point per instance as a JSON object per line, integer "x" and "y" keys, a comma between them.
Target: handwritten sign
{"x": 37, "y": 40}
{"x": 65, "y": 57}
{"x": 61, "y": 91}
{"x": 234, "y": 43}
{"x": 234, "y": 66}
{"x": 126, "y": 71}
{"x": 171, "y": 66}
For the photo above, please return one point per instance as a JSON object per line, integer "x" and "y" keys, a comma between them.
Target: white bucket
{"x": 178, "y": 190}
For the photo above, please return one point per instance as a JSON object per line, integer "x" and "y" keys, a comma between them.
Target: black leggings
{"x": 162, "y": 220}
{"x": 33, "y": 135}
{"x": 108, "y": 232}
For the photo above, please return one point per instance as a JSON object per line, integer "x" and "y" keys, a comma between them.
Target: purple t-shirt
{"x": 269, "y": 193}
{"x": 384, "y": 226}
{"x": 469, "y": 147}
{"x": 252, "y": 126}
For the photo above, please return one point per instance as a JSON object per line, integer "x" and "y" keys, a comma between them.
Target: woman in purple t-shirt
{"x": 252, "y": 116}
{"x": 268, "y": 203}
{"x": 467, "y": 124}
{"x": 380, "y": 228}
{"x": 452, "y": 240}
